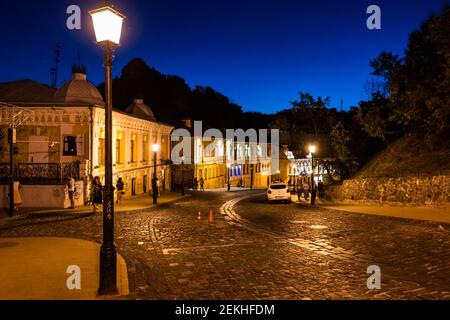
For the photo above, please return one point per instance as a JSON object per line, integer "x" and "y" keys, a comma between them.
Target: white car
{"x": 278, "y": 192}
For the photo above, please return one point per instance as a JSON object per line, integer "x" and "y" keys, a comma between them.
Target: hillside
{"x": 410, "y": 156}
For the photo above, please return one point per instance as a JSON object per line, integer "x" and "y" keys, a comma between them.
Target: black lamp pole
{"x": 313, "y": 185}
{"x": 11, "y": 171}
{"x": 182, "y": 178}
{"x": 251, "y": 176}
{"x": 154, "y": 182}
{"x": 108, "y": 252}
{"x": 228, "y": 178}
{"x": 295, "y": 181}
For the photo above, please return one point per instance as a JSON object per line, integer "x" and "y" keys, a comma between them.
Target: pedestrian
{"x": 17, "y": 198}
{"x": 306, "y": 190}
{"x": 321, "y": 190}
{"x": 155, "y": 186}
{"x": 202, "y": 184}
{"x": 313, "y": 192}
{"x": 120, "y": 190}
{"x": 195, "y": 184}
{"x": 97, "y": 193}
{"x": 299, "y": 189}
{"x": 71, "y": 190}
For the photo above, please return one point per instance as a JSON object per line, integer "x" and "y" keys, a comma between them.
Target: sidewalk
{"x": 416, "y": 213}
{"x": 36, "y": 269}
{"x": 139, "y": 202}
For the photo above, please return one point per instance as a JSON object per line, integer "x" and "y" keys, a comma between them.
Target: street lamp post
{"x": 312, "y": 150}
{"x": 182, "y": 176}
{"x": 252, "y": 169}
{"x": 228, "y": 177}
{"x": 155, "y": 149}
{"x": 295, "y": 181}
{"x": 108, "y": 28}
{"x": 11, "y": 141}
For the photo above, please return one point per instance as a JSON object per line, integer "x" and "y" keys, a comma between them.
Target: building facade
{"x": 63, "y": 135}
{"x": 220, "y": 161}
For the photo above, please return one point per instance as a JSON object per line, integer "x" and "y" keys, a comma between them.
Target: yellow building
{"x": 221, "y": 160}
{"x": 64, "y": 135}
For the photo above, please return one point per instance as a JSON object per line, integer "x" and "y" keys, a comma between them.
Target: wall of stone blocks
{"x": 414, "y": 191}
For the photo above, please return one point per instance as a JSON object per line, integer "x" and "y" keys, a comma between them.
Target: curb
{"x": 80, "y": 214}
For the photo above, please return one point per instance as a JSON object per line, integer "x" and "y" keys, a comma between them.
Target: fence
{"x": 41, "y": 173}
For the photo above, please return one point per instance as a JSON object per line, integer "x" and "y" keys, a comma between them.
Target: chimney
{"x": 79, "y": 72}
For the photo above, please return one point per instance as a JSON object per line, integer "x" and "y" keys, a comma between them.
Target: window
{"x": 132, "y": 146}
{"x": 70, "y": 146}
{"x": 101, "y": 152}
{"x": 145, "y": 150}
{"x": 118, "y": 155}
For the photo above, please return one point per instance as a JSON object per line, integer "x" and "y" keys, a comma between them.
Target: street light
{"x": 252, "y": 169}
{"x": 182, "y": 175}
{"x": 228, "y": 176}
{"x": 108, "y": 28}
{"x": 312, "y": 150}
{"x": 155, "y": 149}
{"x": 295, "y": 181}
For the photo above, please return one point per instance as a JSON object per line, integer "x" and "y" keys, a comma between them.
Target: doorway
{"x": 145, "y": 183}
{"x": 133, "y": 187}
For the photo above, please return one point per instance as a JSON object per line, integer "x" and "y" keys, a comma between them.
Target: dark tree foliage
{"x": 418, "y": 99}
{"x": 172, "y": 100}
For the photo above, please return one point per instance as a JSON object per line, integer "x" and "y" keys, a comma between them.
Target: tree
{"x": 340, "y": 140}
{"x": 374, "y": 116}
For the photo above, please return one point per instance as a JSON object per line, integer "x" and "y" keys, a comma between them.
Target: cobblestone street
{"x": 259, "y": 251}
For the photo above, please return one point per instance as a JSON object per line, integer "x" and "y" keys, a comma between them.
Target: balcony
{"x": 41, "y": 173}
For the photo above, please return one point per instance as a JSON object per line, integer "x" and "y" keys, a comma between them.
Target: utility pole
{"x": 54, "y": 69}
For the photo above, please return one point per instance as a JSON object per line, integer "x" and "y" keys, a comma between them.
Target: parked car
{"x": 278, "y": 192}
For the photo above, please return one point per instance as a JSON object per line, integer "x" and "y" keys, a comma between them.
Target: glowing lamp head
{"x": 155, "y": 148}
{"x": 312, "y": 149}
{"x": 107, "y": 24}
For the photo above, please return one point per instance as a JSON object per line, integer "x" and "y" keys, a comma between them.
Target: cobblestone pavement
{"x": 260, "y": 251}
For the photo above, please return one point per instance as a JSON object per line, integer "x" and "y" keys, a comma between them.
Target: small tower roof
{"x": 139, "y": 109}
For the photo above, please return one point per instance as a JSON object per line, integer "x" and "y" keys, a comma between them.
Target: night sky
{"x": 259, "y": 53}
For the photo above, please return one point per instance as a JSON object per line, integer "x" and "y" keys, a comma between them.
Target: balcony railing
{"x": 41, "y": 173}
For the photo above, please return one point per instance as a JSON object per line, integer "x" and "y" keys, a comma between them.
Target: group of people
{"x": 307, "y": 189}
{"x": 196, "y": 183}
{"x": 97, "y": 192}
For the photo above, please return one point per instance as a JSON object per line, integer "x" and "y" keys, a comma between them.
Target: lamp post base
{"x": 108, "y": 271}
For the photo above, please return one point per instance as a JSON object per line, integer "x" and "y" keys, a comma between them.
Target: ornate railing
{"x": 46, "y": 173}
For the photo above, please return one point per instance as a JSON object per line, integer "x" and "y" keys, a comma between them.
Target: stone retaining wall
{"x": 414, "y": 191}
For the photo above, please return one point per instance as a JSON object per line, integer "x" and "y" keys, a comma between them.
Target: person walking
{"x": 71, "y": 190}
{"x": 306, "y": 190}
{"x": 120, "y": 186}
{"x": 195, "y": 184}
{"x": 97, "y": 193}
{"x": 321, "y": 190}
{"x": 17, "y": 197}
{"x": 202, "y": 184}
{"x": 313, "y": 192}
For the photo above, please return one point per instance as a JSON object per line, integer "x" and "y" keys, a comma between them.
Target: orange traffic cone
{"x": 211, "y": 216}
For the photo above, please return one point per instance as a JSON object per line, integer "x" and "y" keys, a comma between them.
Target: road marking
{"x": 321, "y": 246}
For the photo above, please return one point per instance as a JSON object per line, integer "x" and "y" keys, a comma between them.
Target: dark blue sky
{"x": 259, "y": 53}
